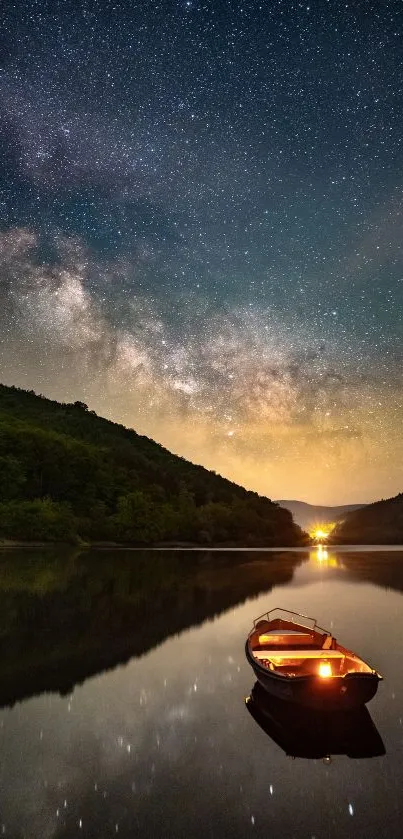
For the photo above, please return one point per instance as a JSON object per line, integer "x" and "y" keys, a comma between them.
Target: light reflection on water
{"x": 162, "y": 745}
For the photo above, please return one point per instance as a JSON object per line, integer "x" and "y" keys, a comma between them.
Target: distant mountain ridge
{"x": 307, "y": 515}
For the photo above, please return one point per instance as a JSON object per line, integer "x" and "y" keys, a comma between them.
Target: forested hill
{"x": 380, "y": 523}
{"x": 67, "y": 474}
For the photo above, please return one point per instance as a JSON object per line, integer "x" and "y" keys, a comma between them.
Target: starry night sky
{"x": 201, "y": 229}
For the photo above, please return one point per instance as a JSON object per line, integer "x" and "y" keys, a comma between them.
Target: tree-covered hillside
{"x": 66, "y": 473}
{"x": 377, "y": 524}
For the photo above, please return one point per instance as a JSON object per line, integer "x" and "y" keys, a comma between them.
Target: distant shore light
{"x": 321, "y": 532}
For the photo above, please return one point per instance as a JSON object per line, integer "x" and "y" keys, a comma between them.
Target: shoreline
{"x": 10, "y": 544}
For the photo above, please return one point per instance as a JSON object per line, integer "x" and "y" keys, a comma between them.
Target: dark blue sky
{"x": 201, "y": 214}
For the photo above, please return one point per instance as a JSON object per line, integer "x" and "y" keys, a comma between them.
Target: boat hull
{"x": 338, "y": 693}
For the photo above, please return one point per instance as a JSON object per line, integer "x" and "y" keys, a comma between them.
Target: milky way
{"x": 201, "y": 230}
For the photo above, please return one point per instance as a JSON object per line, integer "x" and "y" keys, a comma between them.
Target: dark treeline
{"x": 380, "y": 523}
{"x": 67, "y": 474}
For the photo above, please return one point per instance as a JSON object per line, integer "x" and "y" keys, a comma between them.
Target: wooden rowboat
{"x": 298, "y": 661}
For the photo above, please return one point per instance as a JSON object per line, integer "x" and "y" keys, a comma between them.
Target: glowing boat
{"x": 296, "y": 660}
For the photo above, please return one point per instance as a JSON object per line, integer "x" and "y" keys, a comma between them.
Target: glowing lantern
{"x": 325, "y": 670}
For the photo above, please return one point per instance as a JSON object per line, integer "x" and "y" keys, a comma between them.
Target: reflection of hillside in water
{"x": 381, "y": 568}
{"x": 64, "y": 618}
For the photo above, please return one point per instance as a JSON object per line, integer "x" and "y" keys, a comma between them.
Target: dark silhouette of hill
{"x": 380, "y": 523}
{"x": 66, "y": 617}
{"x": 383, "y": 569}
{"x": 307, "y": 515}
{"x": 66, "y": 473}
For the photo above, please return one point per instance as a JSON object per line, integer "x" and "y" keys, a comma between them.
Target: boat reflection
{"x": 306, "y": 733}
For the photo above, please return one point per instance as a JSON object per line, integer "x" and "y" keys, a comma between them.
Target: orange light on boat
{"x": 325, "y": 670}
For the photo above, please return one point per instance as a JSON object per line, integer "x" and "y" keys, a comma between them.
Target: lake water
{"x": 123, "y": 686}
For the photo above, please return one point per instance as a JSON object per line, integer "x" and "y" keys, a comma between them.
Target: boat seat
{"x": 286, "y": 638}
{"x": 293, "y": 654}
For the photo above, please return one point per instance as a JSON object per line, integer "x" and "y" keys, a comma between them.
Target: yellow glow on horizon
{"x": 301, "y": 465}
{"x": 321, "y": 532}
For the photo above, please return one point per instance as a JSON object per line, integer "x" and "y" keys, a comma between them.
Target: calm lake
{"x": 123, "y": 686}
